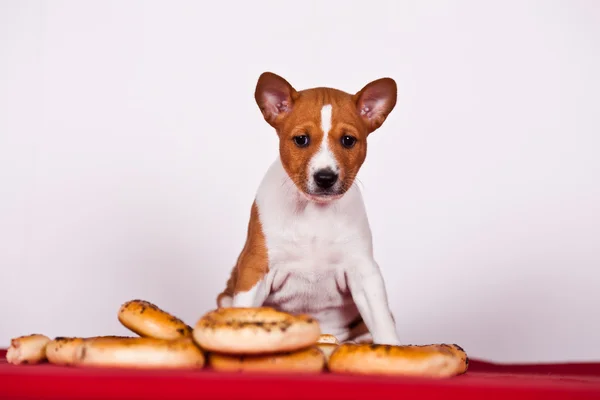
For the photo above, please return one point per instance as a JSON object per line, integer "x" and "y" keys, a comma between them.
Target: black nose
{"x": 325, "y": 178}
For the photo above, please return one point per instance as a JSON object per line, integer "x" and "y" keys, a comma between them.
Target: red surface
{"x": 483, "y": 381}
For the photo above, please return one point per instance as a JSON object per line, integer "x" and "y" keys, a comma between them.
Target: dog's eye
{"x": 301, "y": 141}
{"x": 348, "y": 141}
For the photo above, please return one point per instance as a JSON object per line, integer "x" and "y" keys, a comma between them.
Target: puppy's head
{"x": 323, "y": 131}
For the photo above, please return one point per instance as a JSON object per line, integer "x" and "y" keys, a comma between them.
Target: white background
{"x": 131, "y": 149}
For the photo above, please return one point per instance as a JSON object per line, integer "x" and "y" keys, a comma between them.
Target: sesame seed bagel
{"x": 142, "y": 353}
{"x": 148, "y": 320}
{"x": 29, "y": 349}
{"x": 434, "y": 361}
{"x": 460, "y": 353}
{"x": 62, "y": 350}
{"x": 309, "y": 360}
{"x": 255, "y": 331}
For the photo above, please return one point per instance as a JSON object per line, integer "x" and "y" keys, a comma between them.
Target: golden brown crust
{"x": 460, "y": 353}
{"x": 310, "y": 360}
{"x": 255, "y": 330}
{"x": 259, "y": 317}
{"x": 28, "y": 349}
{"x": 427, "y": 361}
{"x": 62, "y": 350}
{"x": 327, "y": 338}
{"x": 143, "y": 353}
{"x": 148, "y": 320}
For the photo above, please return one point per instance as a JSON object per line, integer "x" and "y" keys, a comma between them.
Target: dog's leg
{"x": 240, "y": 295}
{"x": 370, "y": 296}
{"x": 255, "y": 296}
{"x": 225, "y": 298}
{"x": 246, "y": 285}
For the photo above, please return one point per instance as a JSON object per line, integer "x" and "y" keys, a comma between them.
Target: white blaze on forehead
{"x": 324, "y": 157}
{"x": 326, "y": 119}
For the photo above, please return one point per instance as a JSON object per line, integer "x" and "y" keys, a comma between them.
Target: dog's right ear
{"x": 274, "y": 96}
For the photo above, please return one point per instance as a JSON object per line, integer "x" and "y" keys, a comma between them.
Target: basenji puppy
{"x": 309, "y": 245}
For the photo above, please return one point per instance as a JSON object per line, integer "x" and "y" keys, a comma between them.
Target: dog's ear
{"x": 375, "y": 101}
{"x": 274, "y": 96}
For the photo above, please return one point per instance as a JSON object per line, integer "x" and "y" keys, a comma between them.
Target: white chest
{"x": 308, "y": 257}
{"x": 310, "y": 249}
{"x": 308, "y": 260}
{"x": 311, "y": 239}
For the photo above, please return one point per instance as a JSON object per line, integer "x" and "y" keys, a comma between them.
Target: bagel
{"x": 435, "y": 361}
{"x": 255, "y": 331}
{"x": 327, "y": 349}
{"x": 29, "y": 349}
{"x": 142, "y": 353}
{"x": 148, "y": 320}
{"x": 62, "y": 350}
{"x": 327, "y": 338}
{"x": 461, "y": 354}
{"x": 308, "y": 360}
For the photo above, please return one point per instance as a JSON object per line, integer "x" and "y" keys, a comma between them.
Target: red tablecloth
{"x": 484, "y": 381}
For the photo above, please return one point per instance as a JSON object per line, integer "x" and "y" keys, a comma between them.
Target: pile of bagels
{"x": 258, "y": 339}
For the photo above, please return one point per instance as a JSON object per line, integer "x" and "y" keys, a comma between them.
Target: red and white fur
{"x": 309, "y": 245}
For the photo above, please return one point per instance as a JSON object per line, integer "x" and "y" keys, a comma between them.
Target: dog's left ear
{"x": 375, "y": 101}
